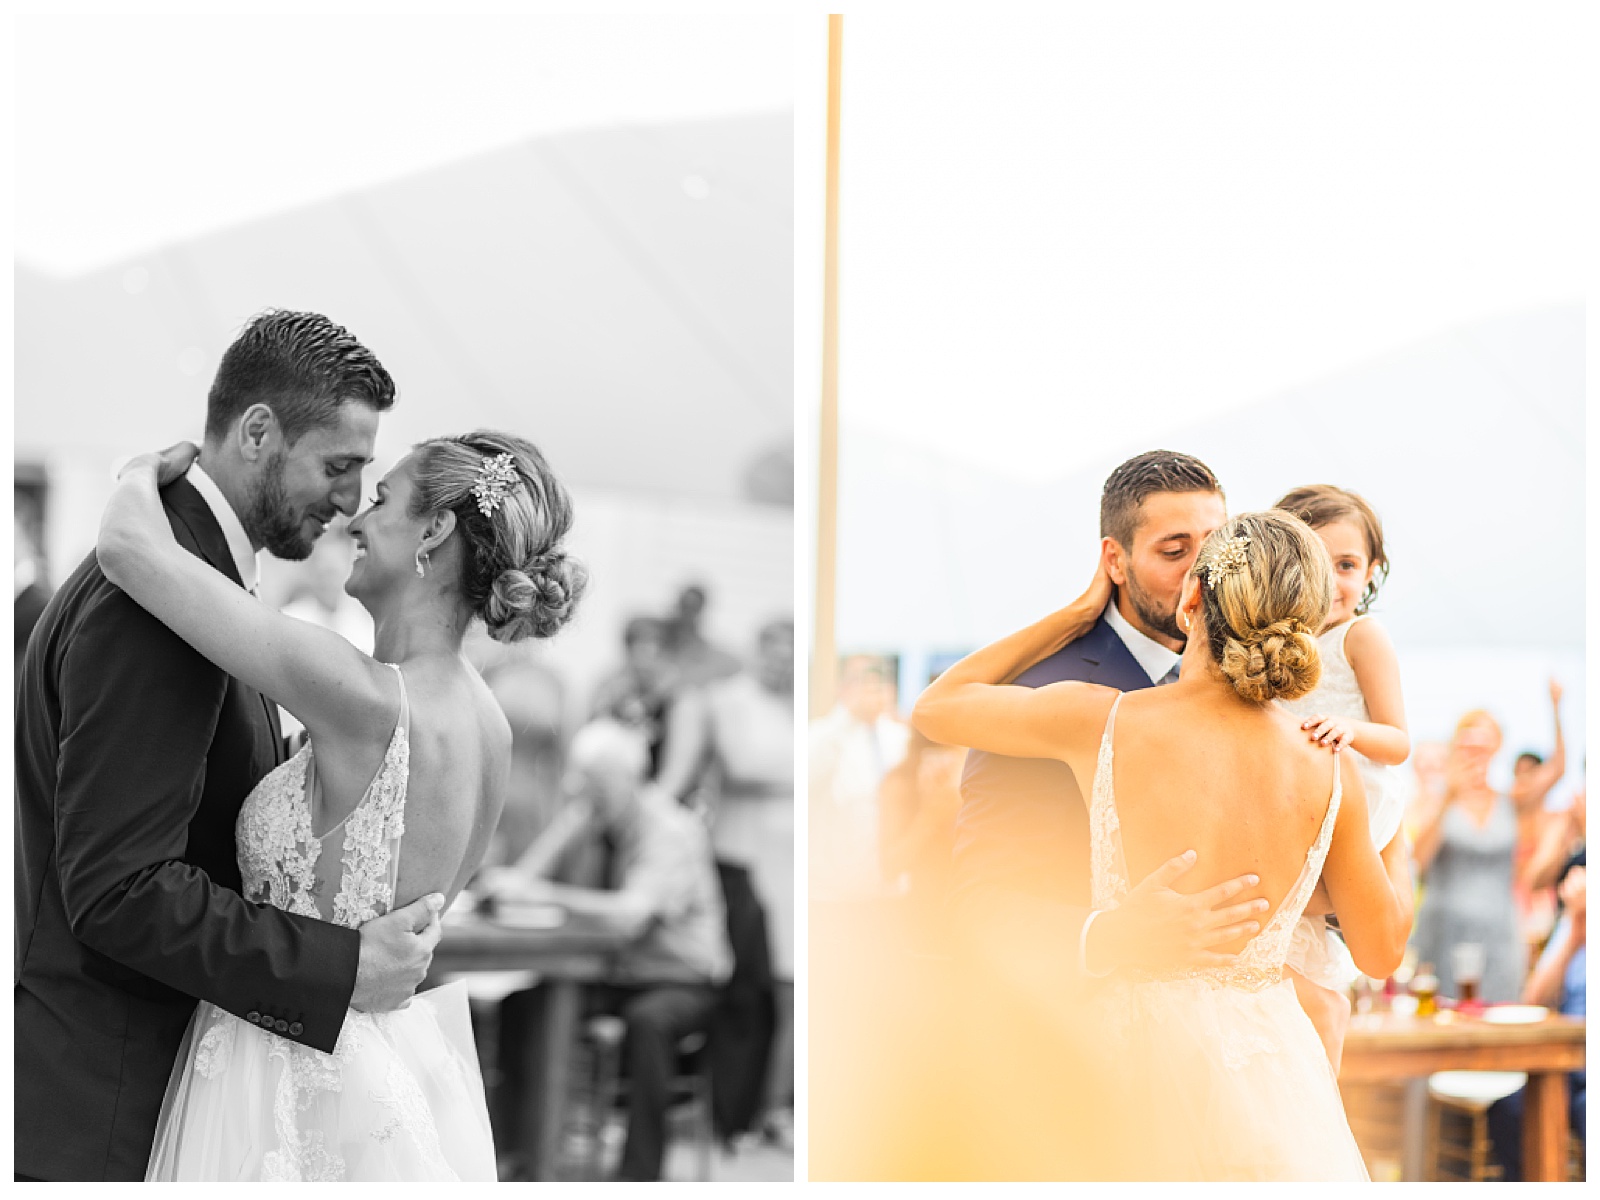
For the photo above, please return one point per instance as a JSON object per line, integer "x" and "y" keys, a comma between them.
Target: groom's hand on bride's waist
{"x": 1159, "y": 929}
{"x": 395, "y": 952}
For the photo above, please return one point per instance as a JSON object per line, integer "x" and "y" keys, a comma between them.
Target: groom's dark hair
{"x": 302, "y": 366}
{"x": 1142, "y": 476}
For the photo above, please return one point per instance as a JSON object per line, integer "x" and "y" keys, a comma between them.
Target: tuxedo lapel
{"x": 186, "y": 506}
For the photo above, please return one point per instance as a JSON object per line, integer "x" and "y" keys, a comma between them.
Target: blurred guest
{"x": 699, "y": 661}
{"x": 649, "y": 694}
{"x": 664, "y": 904}
{"x": 1465, "y": 846}
{"x": 1559, "y": 981}
{"x": 27, "y": 581}
{"x": 534, "y": 701}
{"x": 313, "y": 589}
{"x": 917, "y": 802}
{"x": 851, "y": 750}
{"x": 752, "y": 740}
{"x": 1533, "y": 777}
{"x": 1564, "y": 835}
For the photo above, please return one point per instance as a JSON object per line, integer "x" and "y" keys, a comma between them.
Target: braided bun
{"x": 1267, "y": 585}
{"x": 536, "y": 600}
{"x": 1282, "y": 663}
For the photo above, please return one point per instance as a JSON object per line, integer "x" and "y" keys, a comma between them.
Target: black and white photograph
{"x": 1196, "y": 764}
{"x": 404, "y": 577}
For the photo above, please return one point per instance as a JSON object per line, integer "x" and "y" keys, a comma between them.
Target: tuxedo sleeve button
{"x": 296, "y": 1029}
{"x": 253, "y": 1017}
{"x": 281, "y": 1025}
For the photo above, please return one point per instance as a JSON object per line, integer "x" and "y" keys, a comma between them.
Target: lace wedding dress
{"x": 401, "y": 1096}
{"x": 1217, "y": 1073}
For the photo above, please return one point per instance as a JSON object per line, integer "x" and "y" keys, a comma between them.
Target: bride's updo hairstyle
{"x": 1266, "y": 587}
{"x": 514, "y": 572}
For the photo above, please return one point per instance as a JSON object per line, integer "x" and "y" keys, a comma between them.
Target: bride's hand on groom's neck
{"x": 1156, "y": 928}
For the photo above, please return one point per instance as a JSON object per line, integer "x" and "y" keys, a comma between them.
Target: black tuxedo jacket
{"x": 134, "y": 755}
{"x": 1023, "y": 826}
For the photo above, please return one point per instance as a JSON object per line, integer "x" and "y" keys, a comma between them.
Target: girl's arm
{"x": 1375, "y": 922}
{"x": 1383, "y": 738}
{"x": 314, "y": 673}
{"x": 969, "y": 704}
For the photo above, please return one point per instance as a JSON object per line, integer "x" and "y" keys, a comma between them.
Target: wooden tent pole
{"x": 824, "y": 653}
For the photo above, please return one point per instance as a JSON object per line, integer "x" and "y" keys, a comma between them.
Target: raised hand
{"x": 1157, "y": 928}
{"x": 396, "y": 950}
{"x": 1555, "y": 693}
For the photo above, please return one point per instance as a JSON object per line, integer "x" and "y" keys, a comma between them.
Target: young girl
{"x": 1356, "y": 706}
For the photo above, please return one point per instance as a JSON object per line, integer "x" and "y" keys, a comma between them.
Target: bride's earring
{"x": 422, "y": 562}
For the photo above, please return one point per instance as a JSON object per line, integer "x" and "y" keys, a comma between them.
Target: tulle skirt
{"x": 400, "y": 1098}
{"x": 1213, "y": 1082}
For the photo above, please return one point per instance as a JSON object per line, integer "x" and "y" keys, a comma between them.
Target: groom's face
{"x": 1149, "y": 574}
{"x": 301, "y": 488}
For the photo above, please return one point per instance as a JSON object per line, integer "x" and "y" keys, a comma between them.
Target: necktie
{"x": 1170, "y": 677}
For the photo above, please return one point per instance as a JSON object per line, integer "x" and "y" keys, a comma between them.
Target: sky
{"x": 136, "y": 131}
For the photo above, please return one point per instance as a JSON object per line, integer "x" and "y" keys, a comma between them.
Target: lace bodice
{"x": 281, "y": 859}
{"x": 1260, "y": 963}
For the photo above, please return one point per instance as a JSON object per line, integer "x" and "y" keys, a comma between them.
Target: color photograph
{"x": 1195, "y": 764}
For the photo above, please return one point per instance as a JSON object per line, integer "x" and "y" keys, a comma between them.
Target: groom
{"x": 134, "y": 755}
{"x": 1020, "y": 891}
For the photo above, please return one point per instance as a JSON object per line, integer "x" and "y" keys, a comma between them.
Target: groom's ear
{"x": 257, "y": 428}
{"x": 1115, "y": 559}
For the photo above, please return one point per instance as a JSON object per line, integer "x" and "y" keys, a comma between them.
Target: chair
{"x": 690, "y": 1088}
{"x": 1458, "y": 1145}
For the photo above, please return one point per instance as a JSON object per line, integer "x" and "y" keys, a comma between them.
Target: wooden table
{"x": 1388, "y": 1048}
{"x": 565, "y": 958}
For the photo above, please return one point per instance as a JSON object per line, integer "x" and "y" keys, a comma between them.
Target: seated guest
{"x": 1558, "y": 981}
{"x": 664, "y": 902}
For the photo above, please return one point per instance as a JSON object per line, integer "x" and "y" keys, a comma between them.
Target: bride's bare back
{"x": 1235, "y": 782}
{"x": 460, "y": 760}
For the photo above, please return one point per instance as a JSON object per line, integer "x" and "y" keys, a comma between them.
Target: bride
{"x": 1217, "y": 1072}
{"x": 393, "y": 798}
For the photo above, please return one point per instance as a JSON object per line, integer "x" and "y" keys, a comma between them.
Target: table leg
{"x": 548, "y": 1067}
{"x": 1414, "y": 1130}
{"x": 1544, "y": 1127}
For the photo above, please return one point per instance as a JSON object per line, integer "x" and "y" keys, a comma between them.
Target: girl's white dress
{"x": 401, "y": 1096}
{"x": 1217, "y": 1073}
{"x": 1317, "y": 952}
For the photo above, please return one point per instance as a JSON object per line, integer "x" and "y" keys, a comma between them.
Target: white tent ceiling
{"x": 622, "y": 296}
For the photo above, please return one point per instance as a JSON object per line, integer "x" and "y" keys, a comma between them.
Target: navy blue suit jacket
{"x": 1023, "y": 826}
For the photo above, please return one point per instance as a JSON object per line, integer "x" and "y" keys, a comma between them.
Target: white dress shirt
{"x": 1151, "y": 655}
{"x": 244, "y": 554}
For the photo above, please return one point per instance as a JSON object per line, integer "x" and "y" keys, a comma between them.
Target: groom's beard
{"x": 271, "y": 521}
{"x": 1151, "y": 616}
